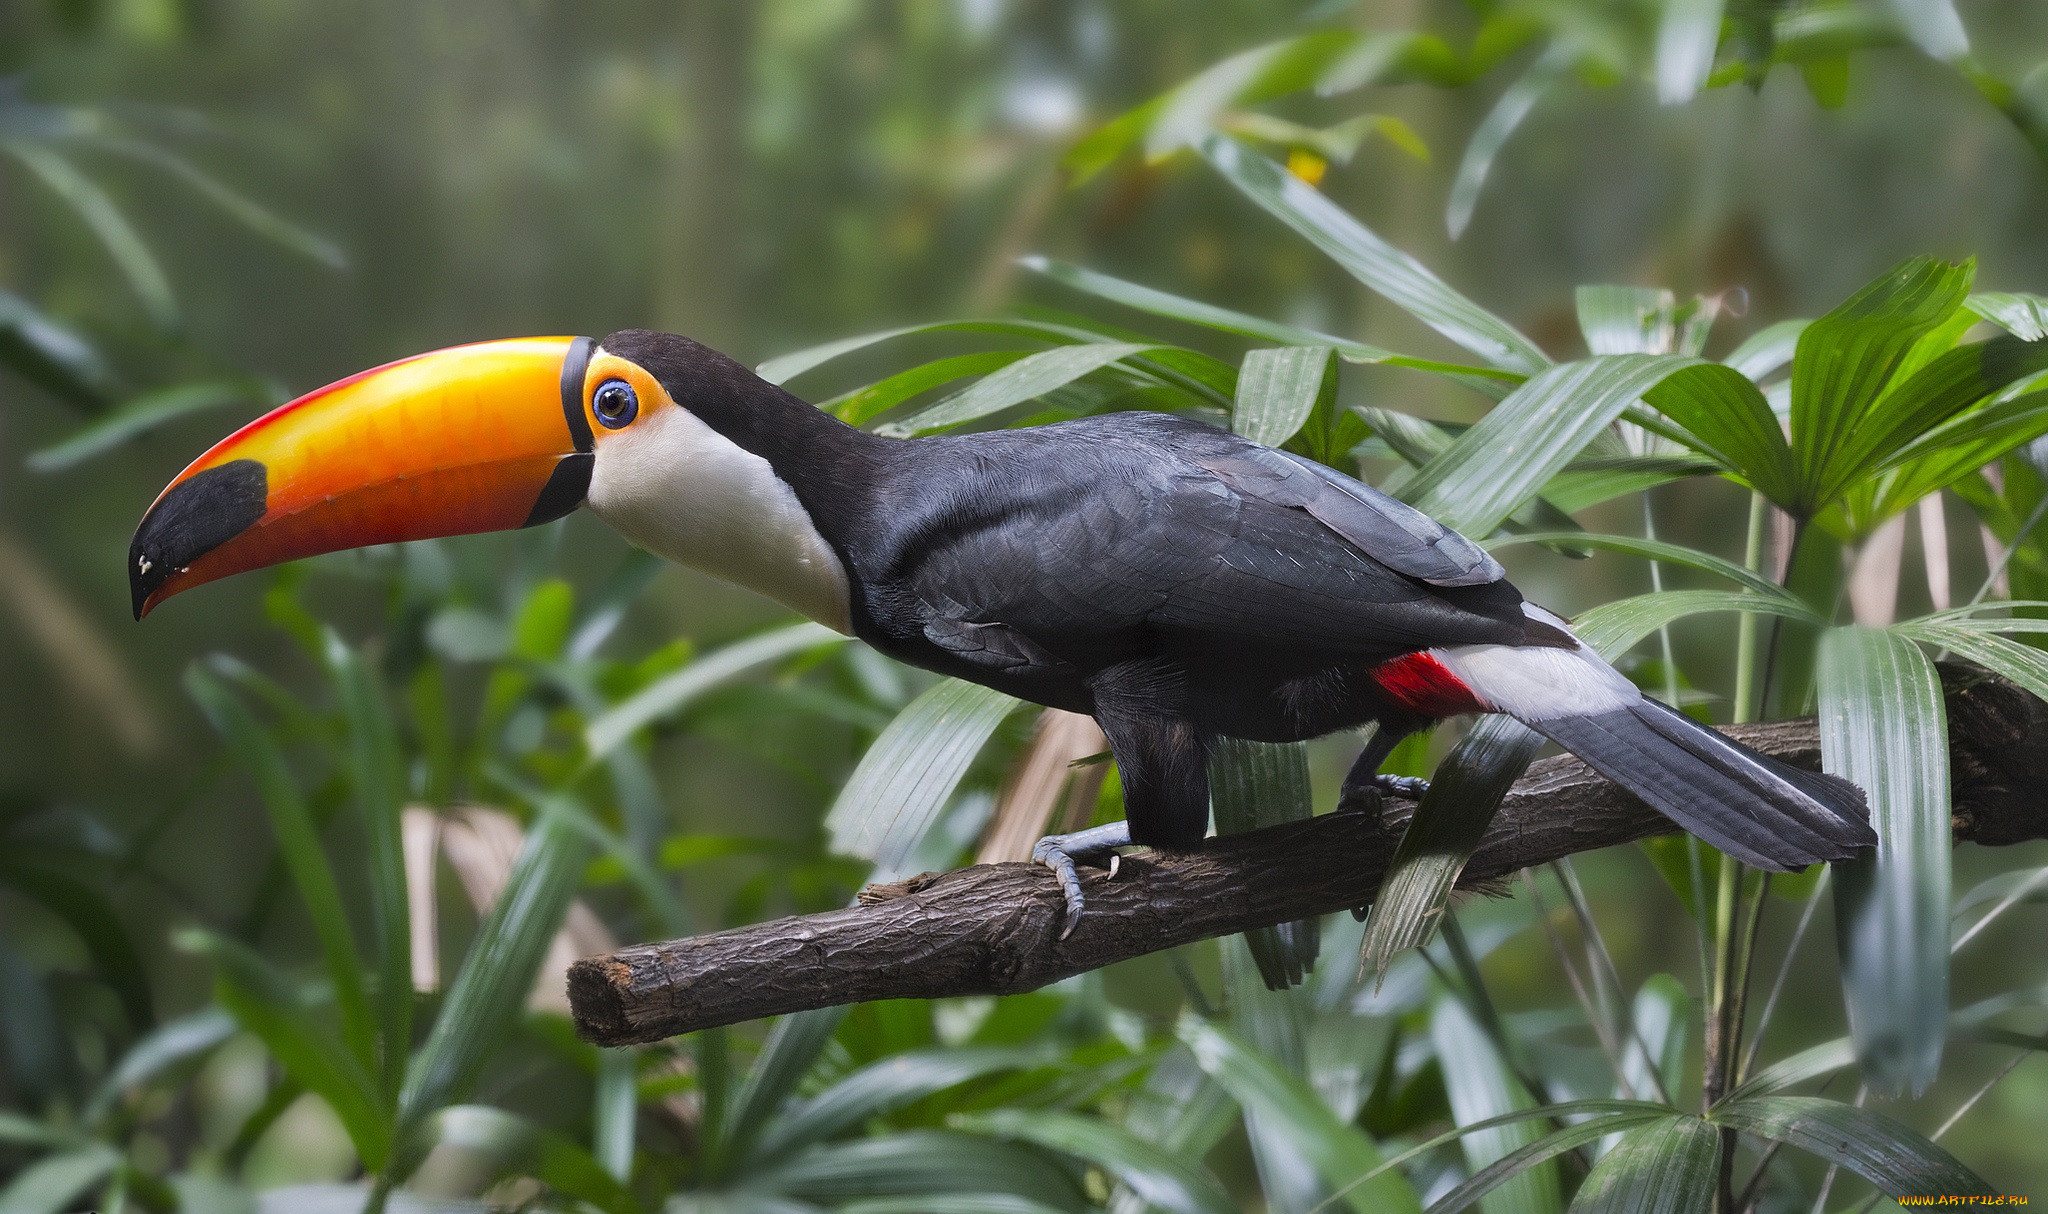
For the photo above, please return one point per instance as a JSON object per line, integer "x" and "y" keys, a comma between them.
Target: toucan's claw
{"x": 1058, "y": 853}
{"x": 1370, "y": 796}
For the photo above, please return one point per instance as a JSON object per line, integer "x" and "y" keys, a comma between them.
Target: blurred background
{"x": 260, "y": 196}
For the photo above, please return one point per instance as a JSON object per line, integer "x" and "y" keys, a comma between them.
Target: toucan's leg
{"x": 1058, "y": 853}
{"x": 1363, "y": 785}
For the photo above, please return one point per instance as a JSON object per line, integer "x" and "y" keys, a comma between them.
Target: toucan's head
{"x": 501, "y": 435}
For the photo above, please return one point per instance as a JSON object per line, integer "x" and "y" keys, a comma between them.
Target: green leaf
{"x": 1490, "y": 1185}
{"x": 377, "y": 773}
{"x": 1191, "y": 109}
{"x": 790, "y": 1052}
{"x": 783, "y": 368}
{"x": 1727, "y": 419}
{"x": 1948, "y": 454}
{"x": 856, "y": 408}
{"x": 1492, "y": 381}
{"x": 1654, "y": 550}
{"x": 489, "y": 991}
{"x": 675, "y": 691}
{"x": 1024, "y": 380}
{"x": 298, "y": 843}
{"x": 1256, "y": 784}
{"x": 115, "y": 233}
{"x": 162, "y": 1048}
{"x": 1613, "y": 628}
{"x": 1379, "y": 265}
{"x": 518, "y": 1147}
{"x": 881, "y": 1088}
{"x": 1665, "y": 1167}
{"x": 952, "y": 1203}
{"x": 1340, "y": 1153}
{"x": 1883, "y": 726}
{"x": 2023, "y": 316}
{"x": 232, "y": 202}
{"x": 1767, "y": 350}
{"x": 1933, "y": 26}
{"x": 262, "y": 1001}
{"x": 1277, "y": 390}
{"x": 922, "y": 1162}
{"x": 141, "y": 415}
{"x": 1810, "y": 1063}
{"x": 1888, "y": 1155}
{"x": 51, "y": 356}
{"x": 1468, "y": 788}
{"x": 2023, "y": 664}
{"x": 1158, "y": 1178}
{"x": 53, "y": 1184}
{"x": 1946, "y": 386}
{"x": 91, "y": 916}
{"x": 1481, "y": 1086}
{"x": 1528, "y": 438}
{"x": 909, "y": 773}
{"x": 1846, "y": 359}
{"x": 1627, "y": 320}
{"x": 1498, "y": 126}
{"x": 1687, "y": 37}
{"x": 1653, "y": 1054}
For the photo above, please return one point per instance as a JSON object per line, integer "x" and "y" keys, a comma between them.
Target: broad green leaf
{"x": 1481, "y": 1086}
{"x": 1026, "y": 379}
{"x": 1936, "y": 393}
{"x": 1627, "y": 320}
{"x": 1810, "y": 1063}
{"x": 785, "y": 367}
{"x": 1341, "y": 1153}
{"x": 489, "y": 992}
{"x": 882, "y": 1087}
{"x": 1496, "y": 1184}
{"x": 1180, "y": 1109}
{"x": 1495, "y": 129}
{"x": 1611, "y": 1115}
{"x": 1665, "y": 1167}
{"x": 298, "y": 843}
{"x": 262, "y": 1001}
{"x": 518, "y": 1147}
{"x": 1888, "y": 1155}
{"x": 923, "y": 1162}
{"x": 1508, "y": 456}
{"x": 790, "y": 1052}
{"x": 1883, "y": 727}
{"x": 1727, "y": 419}
{"x": 1255, "y": 784}
{"x": 675, "y": 691}
{"x": 1933, "y": 26}
{"x": 1654, "y": 550}
{"x": 141, "y": 415}
{"x": 99, "y": 212}
{"x": 1489, "y": 380}
{"x": 1767, "y": 350}
{"x": 166, "y": 1046}
{"x": 2023, "y": 316}
{"x": 1374, "y": 262}
{"x": 857, "y": 407}
{"x": 1278, "y": 389}
{"x": 1274, "y": 1025}
{"x": 1176, "y": 1185}
{"x": 1687, "y": 36}
{"x": 1275, "y": 69}
{"x": 952, "y": 1203}
{"x": 615, "y": 1112}
{"x": 909, "y": 773}
{"x": 52, "y": 356}
{"x": 377, "y": 772}
{"x": 1613, "y": 628}
{"x": 1947, "y": 455}
{"x": 1846, "y": 359}
{"x": 1468, "y": 788}
{"x": 53, "y": 1184}
{"x": 2023, "y": 664}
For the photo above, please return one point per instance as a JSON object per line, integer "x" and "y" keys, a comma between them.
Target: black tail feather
{"x": 1755, "y": 808}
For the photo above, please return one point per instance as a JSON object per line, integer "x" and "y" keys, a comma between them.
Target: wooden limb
{"x": 994, "y": 929}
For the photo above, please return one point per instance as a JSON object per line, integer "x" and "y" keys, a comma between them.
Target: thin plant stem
{"x": 2012, "y": 899}
{"x": 1601, "y": 1031}
{"x": 1756, "y": 923}
{"x": 1663, "y": 632}
{"x": 1763, "y": 1022}
{"x": 1695, "y": 862}
{"x": 2005, "y": 558}
{"x": 1745, "y": 622}
{"x": 1599, "y": 961}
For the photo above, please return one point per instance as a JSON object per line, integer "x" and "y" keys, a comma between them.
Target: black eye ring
{"x": 615, "y": 403}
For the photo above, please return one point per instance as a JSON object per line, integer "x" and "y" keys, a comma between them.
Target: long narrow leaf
{"x": 1255, "y": 784}
{"x": 2023, "y": 316}
{"x": 1024, "y": 380}
{"x": 783, "y": 368}
{"x": 1665, "y": 1167}
{"x": 1768, "y": 350}
{"x": 1895, "y": 1159}
{"x": 1654, "y": 550}
{"x": 1497, "y": 127}
{"x": 101, "y": 214}
{"x": 1341, "y": 1153}
{"x": 673, "y": 692}
{"x": 141, "y": 415}
{"x": 1481, "y": 1086}
{"x": 911, "y": 770}
{"x": 1372, "y": 260}
{"x": 53, "y": 1184}
{"x": 790, "y": 1052}
{"x": 52, "y": 356}
{"x": 298, "y": 843}
{"x": 1883, "y": 726}
{"x": 517, "y": 1146}
{"x": 1613, "y": 628}
{"x": 1175, "y": 1185}
{"x": 1726, "y": 418}
{"x": 1278, "y": 389}
{"x": 881, "y": 1087}
{"x": 1687, "y": 37}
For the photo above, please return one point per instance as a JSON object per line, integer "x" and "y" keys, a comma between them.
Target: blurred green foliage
{"x": 228, "y": 974}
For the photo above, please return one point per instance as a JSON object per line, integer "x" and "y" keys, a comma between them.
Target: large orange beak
{"x": 486, "y": 437}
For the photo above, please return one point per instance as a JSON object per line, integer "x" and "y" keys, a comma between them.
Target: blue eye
{"x": 615, "y": 403}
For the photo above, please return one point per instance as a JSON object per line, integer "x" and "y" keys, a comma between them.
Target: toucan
{"x": 1175, "y": 581}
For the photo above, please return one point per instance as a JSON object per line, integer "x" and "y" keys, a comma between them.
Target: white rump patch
{"x": 1537, "y": 682}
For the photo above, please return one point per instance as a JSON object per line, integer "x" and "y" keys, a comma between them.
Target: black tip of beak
{"x": 199, "y": 514}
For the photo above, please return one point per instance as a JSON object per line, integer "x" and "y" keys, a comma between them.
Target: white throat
{"x": 676, "y": 487}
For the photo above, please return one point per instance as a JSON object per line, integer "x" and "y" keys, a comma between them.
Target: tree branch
{"x": 993, "y": 929}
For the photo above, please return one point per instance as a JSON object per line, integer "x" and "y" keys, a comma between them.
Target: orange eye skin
{"x": 601, "y": 378}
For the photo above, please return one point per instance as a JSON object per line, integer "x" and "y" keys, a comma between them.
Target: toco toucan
{"x": 1175, "y": 581}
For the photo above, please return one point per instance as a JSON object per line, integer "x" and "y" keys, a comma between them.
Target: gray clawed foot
{"x": 1370, "y": 797}
{"x": 1058, "y": 853}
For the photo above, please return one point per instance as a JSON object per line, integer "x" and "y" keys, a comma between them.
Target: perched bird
{"x": 1176, "y": 582}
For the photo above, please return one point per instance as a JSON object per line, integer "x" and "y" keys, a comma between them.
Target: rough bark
{"x": 994, "y": 928}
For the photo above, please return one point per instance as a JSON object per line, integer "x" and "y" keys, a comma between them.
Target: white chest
{"x": 679, "y": 489}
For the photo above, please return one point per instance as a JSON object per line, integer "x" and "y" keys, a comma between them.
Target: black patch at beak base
{"x": 199, "y": 514}
{"x": 567, "y": 485}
